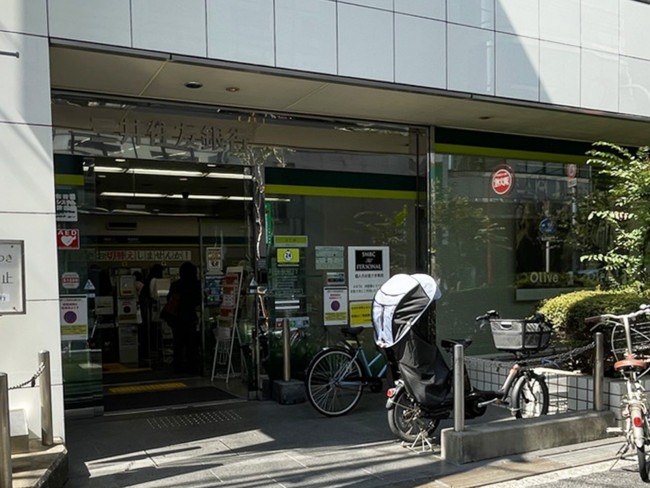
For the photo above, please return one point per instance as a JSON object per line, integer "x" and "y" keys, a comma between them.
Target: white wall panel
{"x": 31, "y": 333}
{"x": 305, "y": 35}
{"x": 599, "y": 78}
{"x": 365, "y": 45}
{"x": 420, "y": 51}
{"x": 517, "y": 67}
{"x": 559, "y": 21}
{"x": 470, "y": 59}
{"x": 383, "y": 4}
{"x": 241, "y": 30}
{"x": 29, "y": 186}
{"x": 433, "y": 9}
{"x": 170, "y": 26}
{"x": 635, "y": 29}
{"x": 475, "y": 13}
{"x": 91, "y": 20}
{"x": 41, "y": 282}
{"x": 25, "y": 93}
{"x": 634, "y": 86}
{"x": 599, "y": 25}
{"x": 26, "y": 16}
{"x": 559, "y": 72}
{"x": 519, "y": 17}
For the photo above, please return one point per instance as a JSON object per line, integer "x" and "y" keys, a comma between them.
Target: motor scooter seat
{"x": 450, "y": 343}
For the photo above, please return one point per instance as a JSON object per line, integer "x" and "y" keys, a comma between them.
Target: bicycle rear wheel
{"x": 530, "y": 396}
{"x": 334, "y": 382}
{"x": 406, "y": 421}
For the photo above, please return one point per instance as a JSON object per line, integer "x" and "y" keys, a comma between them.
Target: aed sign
{"x": 67, "y": 238}
{"x": 503, "y": 180}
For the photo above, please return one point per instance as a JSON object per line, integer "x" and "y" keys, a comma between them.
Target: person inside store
{"x": 183, "y": 299}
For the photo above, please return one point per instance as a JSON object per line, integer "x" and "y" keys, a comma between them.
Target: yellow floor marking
{"x": 143, "y": 388}
{"x": 120, "y": 368}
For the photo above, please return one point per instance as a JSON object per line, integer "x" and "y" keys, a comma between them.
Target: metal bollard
{"x": 45, "y": 384}
{"x": 286, "y": 349}
{"x": 459, "y": 388}
{"x": 599, "y": 372}
{"x": 5, "y": 434}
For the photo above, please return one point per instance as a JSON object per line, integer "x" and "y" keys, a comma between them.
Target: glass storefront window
{"x": 162, "y": 185}
{"x": 501, "y": 237}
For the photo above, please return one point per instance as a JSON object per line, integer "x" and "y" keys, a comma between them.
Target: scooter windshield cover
{"x": 399, "y": 303}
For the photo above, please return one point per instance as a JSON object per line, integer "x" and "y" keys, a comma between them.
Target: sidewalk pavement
{"x": 240, "y": 443}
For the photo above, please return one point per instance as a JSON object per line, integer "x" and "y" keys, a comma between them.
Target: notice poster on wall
{"x": 368, "y": 269}
{"x": 335, "y": 306}
{"x": 74, "y": 317}
{"x": 12, "y": 277}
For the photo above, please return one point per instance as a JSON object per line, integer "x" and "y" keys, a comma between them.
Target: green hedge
{"x": 568, "y": 312}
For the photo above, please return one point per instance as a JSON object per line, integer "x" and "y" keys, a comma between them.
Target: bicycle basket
{"x": 520, "y": 335}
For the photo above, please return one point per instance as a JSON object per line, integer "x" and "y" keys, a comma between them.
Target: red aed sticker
{"x": 67, "y": 238}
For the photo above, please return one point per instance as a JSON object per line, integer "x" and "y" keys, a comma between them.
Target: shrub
{"x": 568, "y": 312}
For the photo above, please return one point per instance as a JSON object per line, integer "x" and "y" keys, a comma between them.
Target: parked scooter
{"x": 423, "y": 390}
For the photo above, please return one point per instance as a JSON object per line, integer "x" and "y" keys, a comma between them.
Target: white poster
{"x": 368, "y": 269}
{"x": 74, "y": 317}
{"x": 335, "y": 306}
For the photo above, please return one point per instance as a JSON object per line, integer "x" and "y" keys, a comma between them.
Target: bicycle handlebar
{"x": 643, "y": 310}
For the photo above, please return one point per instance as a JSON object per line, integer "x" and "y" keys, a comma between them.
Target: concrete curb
{"x": 492, "y": 440}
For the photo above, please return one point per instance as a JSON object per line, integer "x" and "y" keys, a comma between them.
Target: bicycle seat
{"x": 630, "y": 362}
{"x": 450, "y": 343}
{"x": 352, "y": 331}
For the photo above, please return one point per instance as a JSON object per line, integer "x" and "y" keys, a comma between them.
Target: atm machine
{"x": 127, "y": 320}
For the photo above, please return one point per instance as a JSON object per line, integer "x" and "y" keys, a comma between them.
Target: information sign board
{"x": 12, "y": 277}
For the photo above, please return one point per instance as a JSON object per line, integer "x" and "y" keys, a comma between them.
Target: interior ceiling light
{"x": 232, "y": 89}
{"x": 193, "y": 85}
{"x": 178, "y": 196}
{"x": 172, "y": 172}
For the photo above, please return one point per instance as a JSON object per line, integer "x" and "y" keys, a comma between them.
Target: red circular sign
{"x": 503, "y": 180}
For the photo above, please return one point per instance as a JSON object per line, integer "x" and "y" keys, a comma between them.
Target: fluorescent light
{"x": 164, "y": 172}
{"x": 109, "y": 169}
{"x": 229, "y": 176}
{"x": 179, "y": 196}
{"x": 123, "y": 194}
{"x": 172, "y": 172}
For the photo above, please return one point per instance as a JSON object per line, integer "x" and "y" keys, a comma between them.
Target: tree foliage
{"x": 619, "y": 213}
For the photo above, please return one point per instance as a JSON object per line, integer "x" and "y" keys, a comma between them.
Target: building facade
{"x": 437, "y": 135}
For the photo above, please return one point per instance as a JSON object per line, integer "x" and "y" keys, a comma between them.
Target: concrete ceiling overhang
{"x": 150, "y": 76}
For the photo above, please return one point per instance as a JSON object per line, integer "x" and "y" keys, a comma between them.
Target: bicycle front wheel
{"x": 530, "y": 396}
{"x": 334, "y": 382}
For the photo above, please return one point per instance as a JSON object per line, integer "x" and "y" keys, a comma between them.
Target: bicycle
{"x": 630, "y": 343}
{"x": 415, "y": 409}
{"x": 336, "y": 376}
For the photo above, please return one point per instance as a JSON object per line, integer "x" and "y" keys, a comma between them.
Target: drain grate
{"x": 190, "y": 419}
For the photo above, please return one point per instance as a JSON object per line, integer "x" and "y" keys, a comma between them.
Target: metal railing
{"x": 553, "y": 384}
{"x": 47, "y": 434}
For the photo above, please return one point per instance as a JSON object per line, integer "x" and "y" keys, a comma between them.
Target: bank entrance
{"x": 286, "y": 203}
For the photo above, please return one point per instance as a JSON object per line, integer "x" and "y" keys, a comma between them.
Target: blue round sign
{"x": 547, "y": 227}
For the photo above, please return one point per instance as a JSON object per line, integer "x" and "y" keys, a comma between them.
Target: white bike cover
{"x": 399, "y": 303}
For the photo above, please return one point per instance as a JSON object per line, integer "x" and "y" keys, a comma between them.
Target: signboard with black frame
{"x": 12, "y": 277}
